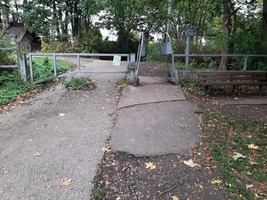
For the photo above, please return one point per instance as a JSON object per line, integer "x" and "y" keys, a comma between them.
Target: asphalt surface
{"x": 50, "y": 147}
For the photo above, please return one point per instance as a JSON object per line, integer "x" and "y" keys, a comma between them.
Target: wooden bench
{"x": 233, "y": 78}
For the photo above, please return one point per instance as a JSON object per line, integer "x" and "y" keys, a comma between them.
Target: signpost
{"x": 190, "y": 31}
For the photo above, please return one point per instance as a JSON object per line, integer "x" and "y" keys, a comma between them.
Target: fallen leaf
{"x": 216, "y": 182}
{"x": 253, "y": 147}
{"x": 65, "y": 182}
{"x": 183, "y": 126}
{"x": 62, "y": 115}
{"x": 37, "y": 154}
{"x": 261, "y": 185}
{"x": 175, "y": 198}
{"x": 106, "y": 149}
{"x": 190, "y": 163}
{"x": 249, "y": 186}
{"x": 201, "y": 186}
{"x": 207, "y": 158}
{"x": 236, "y": 156}
{"x": 204, "y": 148}
{"x": 150, "y": 165}
{"x": 252, "y": 163}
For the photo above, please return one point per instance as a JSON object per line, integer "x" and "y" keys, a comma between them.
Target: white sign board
{"x": 116, "y": 60}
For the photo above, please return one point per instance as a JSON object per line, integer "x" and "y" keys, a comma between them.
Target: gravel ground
{"x": 50, "y": 146}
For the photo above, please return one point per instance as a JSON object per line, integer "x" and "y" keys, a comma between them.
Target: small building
{"x": 17, "y": 33}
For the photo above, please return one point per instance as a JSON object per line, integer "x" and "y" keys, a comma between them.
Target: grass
{"x": 245, "y": 177}
{"x": 43, "y": 68}
{"x": 11, "y": 86}
{"x": 99, "y": 193}
{"x": 123, "y": 82}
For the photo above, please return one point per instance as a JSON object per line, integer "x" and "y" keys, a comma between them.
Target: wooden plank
{"x": 230, "y": 78}
{"x": 233, "y": 83}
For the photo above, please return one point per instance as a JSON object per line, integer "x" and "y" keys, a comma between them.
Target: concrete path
{"x": 58, "y": 135}
{"x": 154, "y": 119}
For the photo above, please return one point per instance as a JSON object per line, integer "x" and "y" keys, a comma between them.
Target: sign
{"x": 166, "y": 48}
{"x": 190, "y": 31}
{"x": 116, "y": 60}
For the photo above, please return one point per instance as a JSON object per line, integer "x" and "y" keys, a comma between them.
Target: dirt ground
{"x": 122, "y": 176}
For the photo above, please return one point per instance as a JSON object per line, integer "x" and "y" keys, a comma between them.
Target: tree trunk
{"x": 265, "y": 21}
{"x": 226, "y": 31}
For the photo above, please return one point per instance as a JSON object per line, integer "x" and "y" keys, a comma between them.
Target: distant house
{"x": 17, "y": 33}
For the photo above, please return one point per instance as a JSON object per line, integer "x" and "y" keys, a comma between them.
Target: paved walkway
{"x": 154, "y": 119}
{"x": 50, "y": 146}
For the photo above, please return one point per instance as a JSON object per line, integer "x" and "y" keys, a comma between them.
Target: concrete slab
{"x": 150, "y": 94}
{"x": 152, "y": 80}
{"x": 155, "y": 129}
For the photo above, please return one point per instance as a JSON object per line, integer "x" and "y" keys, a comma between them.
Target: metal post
{"x": 78, "y": 63}
{"x": 22, "y": 66}
{"x": 187, "y": 53}
{"x": 31, "y": 72}
{"x": 55, "y": 65}
{"x": 168, "y": 28}
{"x": 245, "y": 63}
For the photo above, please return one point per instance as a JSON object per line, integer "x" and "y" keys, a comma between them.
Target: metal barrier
{"x": 135, "y": 66}
{"x": 78, "y": 62}
{"x": 167, "y": 50}
{"x": 21, "y": 63}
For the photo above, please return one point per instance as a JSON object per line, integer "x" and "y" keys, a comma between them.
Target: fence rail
{"x": 78, "y": 61}
{"x": 245, "y": 56}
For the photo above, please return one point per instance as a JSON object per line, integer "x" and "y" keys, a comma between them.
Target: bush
{"x": 79, "y": 84}
{"x": 10, "y": 87}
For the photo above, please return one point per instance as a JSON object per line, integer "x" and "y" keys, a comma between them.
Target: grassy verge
{"x": 239, "y": 148}
{"x": 11, "y": 86}
{"x": 43, "y": 68}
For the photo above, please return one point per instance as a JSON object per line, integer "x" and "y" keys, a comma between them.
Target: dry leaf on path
{"x": 62, "y": 115}
{"x": 175, "y": 198}
{"x": 150, "y": 165}
{"x": 253, "y": 147}
{"x": 106, "y": 149}
{"x": 190, "y": 163}
{"x": 65, "y": 182}
{"x": 38, "y": 154}
{"x": 216, "y": 182}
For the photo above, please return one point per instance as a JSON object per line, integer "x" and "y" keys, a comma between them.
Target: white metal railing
{"x": 78, "y": 61}
{"x": 244, "y": 56}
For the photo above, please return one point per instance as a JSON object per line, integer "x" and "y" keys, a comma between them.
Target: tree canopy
{"x": 225, "y": 26}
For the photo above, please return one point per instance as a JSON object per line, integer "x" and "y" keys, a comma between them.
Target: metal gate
{"x": 81, "y": 61}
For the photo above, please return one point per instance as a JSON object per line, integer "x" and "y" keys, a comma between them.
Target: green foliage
{"x": 99, "y": 193}
{"x": 154, "y": 52}
{"x": 43, "y": 68}
{"x": 10, "y": 87}
{"x": 123, "y": 82}
{"x": 77, "y": 83}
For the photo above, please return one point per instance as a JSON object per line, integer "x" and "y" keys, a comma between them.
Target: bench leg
{"x": 261, "y": 90}
{"x": 234, "y": 90}
{"x": 207, "y": 89}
